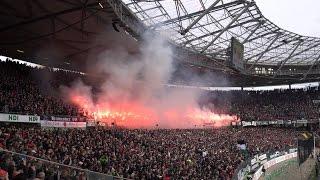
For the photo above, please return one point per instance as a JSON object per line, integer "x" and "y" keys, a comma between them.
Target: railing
{"x": 57, "y": 170}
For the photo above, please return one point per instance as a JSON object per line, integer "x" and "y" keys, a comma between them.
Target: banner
{"x": 316, "y": 101}
{"x": 288, "y": 122}
{"x": 280, "y": 122}
{"x": 276, "y": 154}
{"x": 19, "y": 118}
{"x": 65, "y": 118}
{"x": 246, "y": 123}
{"x": 263, "y": 158}
{"x": 61, "y": 124}
{"x": 273, "y": 122}
{"x": 91, "y": 124}
{"x": 302, "y": 121}
{"x": 255, "y": 162}
{"x": 260, "y": 123}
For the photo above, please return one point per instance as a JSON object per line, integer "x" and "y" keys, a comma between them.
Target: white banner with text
{"x": 65, "y": 124}
{"x": 19, "y": 118}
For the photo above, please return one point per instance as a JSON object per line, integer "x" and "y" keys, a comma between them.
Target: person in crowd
{"x": 23, "y": 92}
{"x": 138, "y": 153}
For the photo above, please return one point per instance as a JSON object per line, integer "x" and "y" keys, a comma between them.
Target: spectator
{"x": 142, "y": 154}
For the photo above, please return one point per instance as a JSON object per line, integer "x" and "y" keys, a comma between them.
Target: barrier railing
{"x": 54, "y": 170}
{"x": 250, "y": 165}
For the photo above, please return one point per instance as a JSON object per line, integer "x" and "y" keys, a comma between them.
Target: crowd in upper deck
{"x": 27, "y": 90}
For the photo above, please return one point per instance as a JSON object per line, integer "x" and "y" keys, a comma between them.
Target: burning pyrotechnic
{"x": 133, "y": 115}
{"x": 134, "y": 94}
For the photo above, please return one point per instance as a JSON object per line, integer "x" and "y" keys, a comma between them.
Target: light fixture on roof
{"x": 67, "y": 63}
{"x": 100, "y": 5}
{"x": 20, "y": 51}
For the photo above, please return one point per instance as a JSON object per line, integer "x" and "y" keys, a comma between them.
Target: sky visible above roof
{"x": 298, "y": 16}
{"x": 206, "y": 27}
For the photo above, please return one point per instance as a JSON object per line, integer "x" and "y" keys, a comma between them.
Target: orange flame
{"x": 137, "y": 115}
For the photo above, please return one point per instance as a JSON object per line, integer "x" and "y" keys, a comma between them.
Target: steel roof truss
{"x": 285, "y": 60}
{"x": 309, "y": 70}
{"x": 199, "y": 17}
{"x": 226, "y": 28}
{"x": 262, "y": 53}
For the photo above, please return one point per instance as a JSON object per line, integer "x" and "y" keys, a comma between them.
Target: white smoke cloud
{"x": 140, "y": 78}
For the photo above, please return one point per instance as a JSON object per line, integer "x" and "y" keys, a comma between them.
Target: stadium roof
{"x": 207, "y": 27}
{"x": 57, "y": 33}
{"x": 63, "y": 33}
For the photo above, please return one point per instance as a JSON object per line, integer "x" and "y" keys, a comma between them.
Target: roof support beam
{"x": 153, "y": 17}
{"x": 285, "y": 60}
{"x": 218, "y": 31}
{"x": 148, "y": 9}
{"x": 174, "y": 20}
{"x": 47, "y": 16}
{"x": 262, "y": 53}
{"x": 252, "y": 32}
{"x": 227, "y": 27}
{"x": 262, "y": 35}
{"x": 47, "y": 34}
{"x": 275, "y": 47}
{"x": 257, "y": 27}
{"x": 307, "y": 49}
{"x": 183, "y": 32}
{"x": 309, "y": 70}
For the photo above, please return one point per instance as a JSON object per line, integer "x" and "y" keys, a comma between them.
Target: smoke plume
{"x": 134, "y": 94}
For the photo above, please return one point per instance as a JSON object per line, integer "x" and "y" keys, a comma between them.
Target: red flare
{"x": 137, "y": 115}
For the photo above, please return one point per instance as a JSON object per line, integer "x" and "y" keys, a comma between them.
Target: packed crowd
{"x": 139, "y": 154}
{"x": 266, "y": 105}
{"x": 27, "y": 90}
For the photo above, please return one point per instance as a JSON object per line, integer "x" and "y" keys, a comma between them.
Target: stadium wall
{"x": 273, "y": 162}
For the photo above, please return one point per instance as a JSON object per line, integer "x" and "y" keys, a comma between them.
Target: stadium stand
{"x": 44, "y": 136}
{"x": 139, "y": 154}
{"x": 22, "y": 91}
{"x": 267, "y": 105}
